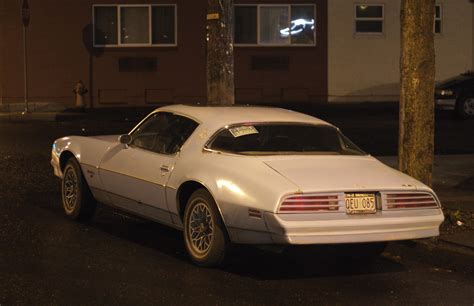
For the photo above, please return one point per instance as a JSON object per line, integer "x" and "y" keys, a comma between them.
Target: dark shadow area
{"x": 294, "y": 262}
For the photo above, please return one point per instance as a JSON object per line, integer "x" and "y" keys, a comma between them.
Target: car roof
{"x": 215, "y": 117}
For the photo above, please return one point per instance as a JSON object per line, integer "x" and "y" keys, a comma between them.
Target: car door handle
{"x": 165, "y": 168}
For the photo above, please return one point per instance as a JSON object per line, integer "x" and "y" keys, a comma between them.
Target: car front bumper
{"x": 55, "y": 164}
{"x": 448, "y": 104}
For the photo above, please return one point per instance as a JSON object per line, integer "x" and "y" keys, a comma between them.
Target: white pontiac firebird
{"x": 244, "y": 175}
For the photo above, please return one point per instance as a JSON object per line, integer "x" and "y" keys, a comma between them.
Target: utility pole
{"x": 220, "y": 53}
{"x": 417, "y": 80}
{"x": 25, "y": 16}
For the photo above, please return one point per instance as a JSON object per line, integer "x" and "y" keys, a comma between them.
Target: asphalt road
{"x": 114, "y": 259}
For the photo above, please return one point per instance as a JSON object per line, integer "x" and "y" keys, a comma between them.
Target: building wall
{"x": 306, "y": 77}
{"x": 366, "y": 68}
{"x": 59, "y": 54}
{"x": 2, "y": 46}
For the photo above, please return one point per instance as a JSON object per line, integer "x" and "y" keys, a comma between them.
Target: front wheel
{"x": 465, "y": 107}
{"x": 205, "y": 236}
{"x": 78, "y": 202}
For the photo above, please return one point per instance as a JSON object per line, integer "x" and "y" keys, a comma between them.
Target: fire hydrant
{"x": 80, "y": 90}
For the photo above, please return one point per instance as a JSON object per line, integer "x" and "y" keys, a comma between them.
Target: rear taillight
{"x": 310, "y": 203}
{"x": 402, "y": 200}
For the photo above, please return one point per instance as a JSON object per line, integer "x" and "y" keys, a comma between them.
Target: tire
{"x": 77, "y": 200}
{"x": 205, "y": 237}
{"x": 465, "y": 107}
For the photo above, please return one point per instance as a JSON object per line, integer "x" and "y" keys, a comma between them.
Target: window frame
{"x": 209, "y": 143}
{"x": 382, "y": 19}
{"x": 157, "y": 113}
{"x": 292, "y": 45}
{"x": 150, "y": 28}
{"x": 440, "y": 19}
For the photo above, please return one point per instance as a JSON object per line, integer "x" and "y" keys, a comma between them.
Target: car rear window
{"x": 283, "y": 139}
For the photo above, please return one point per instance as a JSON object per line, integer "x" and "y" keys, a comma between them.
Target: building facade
{"x": 364, "y": 65}
{"x": 144, "y": 52}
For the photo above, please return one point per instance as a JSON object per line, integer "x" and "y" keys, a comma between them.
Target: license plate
{"x": 360, "y": 203}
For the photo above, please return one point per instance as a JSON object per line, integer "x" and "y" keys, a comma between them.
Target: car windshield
{"x": 283, "y": 139}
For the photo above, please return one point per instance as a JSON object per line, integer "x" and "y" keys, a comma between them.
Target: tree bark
{"x": 220, "y": 53}
{"x": 417, "y": 73}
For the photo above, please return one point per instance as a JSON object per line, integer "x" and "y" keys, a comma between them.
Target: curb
{"x": 18, "y": 117}
{"x": 439, "y": 244}
{"x": 41, "y": 116}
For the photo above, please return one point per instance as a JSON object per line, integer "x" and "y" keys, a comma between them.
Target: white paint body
{"x": 133, "y": 179}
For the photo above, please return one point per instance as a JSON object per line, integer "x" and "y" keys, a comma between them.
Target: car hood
{"x": 108, "y": 138}
{"x": 454, "y": 81}
{"x": 341, "y": 173}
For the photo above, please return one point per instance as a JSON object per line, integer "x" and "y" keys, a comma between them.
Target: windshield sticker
{"x": 243, "y": 130}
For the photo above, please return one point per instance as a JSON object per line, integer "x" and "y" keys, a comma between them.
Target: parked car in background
{"x": 457, "y": 94}
{"x": 245, "y": 175}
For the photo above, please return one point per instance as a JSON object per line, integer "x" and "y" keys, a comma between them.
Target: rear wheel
{"x": 205, "y": 236}
{"x": 78, "y": 202}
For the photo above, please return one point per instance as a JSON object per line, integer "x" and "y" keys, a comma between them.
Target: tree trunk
{"x": 220, "y": 52}
{"x": 417, "y": 69}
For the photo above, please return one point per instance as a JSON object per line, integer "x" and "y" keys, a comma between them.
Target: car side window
{"x": 163, "y": 133}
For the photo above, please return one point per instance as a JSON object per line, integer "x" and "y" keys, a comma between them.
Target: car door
{"x": 135, "y": 175}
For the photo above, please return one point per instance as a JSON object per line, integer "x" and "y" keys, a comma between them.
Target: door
{"x": 135, "y": 175}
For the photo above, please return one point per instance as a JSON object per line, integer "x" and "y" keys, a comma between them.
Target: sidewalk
{"x": 58, "y": 112}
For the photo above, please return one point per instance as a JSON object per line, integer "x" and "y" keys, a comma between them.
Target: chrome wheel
{"x": 469, "y": 106}
{"x": 70, "y": 190}
{"x": 205, "y": 236}
{"x": 201, "y": 228}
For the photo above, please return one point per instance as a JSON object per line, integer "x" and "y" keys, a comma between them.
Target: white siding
{"x": 366, "y": 67}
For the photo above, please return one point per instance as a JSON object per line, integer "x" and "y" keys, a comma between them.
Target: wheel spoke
{"x": 70, "y": 190}
{"x": 200, "y": 228}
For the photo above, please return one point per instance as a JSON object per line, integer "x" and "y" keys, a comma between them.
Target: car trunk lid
{"x": 340, "y": 173}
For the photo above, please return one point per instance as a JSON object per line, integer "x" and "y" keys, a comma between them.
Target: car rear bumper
{"x": 448, "y": 104}
{"x": 334, "y": 228}
{"x": 401, "y": 225}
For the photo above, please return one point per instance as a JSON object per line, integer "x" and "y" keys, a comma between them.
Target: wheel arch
{"x": 185, "y": 190}
{"x": 64, "y": 157}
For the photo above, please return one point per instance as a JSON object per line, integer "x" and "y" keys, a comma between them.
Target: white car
{"x": 244, "y": 175}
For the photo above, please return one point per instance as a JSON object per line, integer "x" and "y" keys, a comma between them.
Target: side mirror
{"x": 125, "y": 139}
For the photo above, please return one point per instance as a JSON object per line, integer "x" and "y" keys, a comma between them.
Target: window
{"x": 134, "y": 25}
{"x": 283, "y": 139}
{"x": 369, "y": 19}
{"x": 163, "y": 133}
{"x": 275, "y": 25}
{"x": 438, "y": 16}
